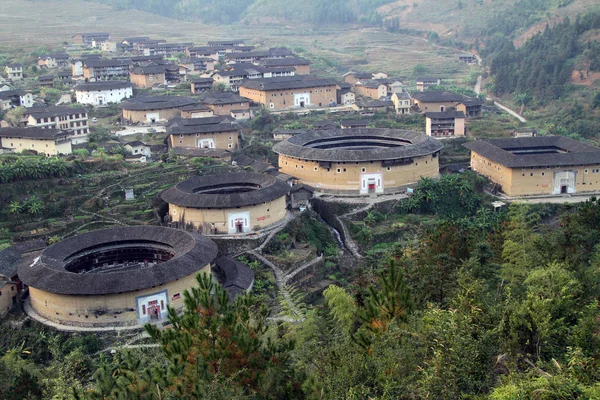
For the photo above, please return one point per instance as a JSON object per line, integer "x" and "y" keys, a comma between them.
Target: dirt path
{"x": 511, "y": 112}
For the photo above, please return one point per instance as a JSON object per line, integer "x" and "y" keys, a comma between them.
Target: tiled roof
{"x": 192, "y": 252}
{"x": 185, "y": 194}
{"x": 105, "y": 85}
{"x": 33, "y": 132}
{"x": 141, "y": 103}
{"x": 393, "y": 144}
{"x": 500, "y": 151}
{"x": 288, "y": 82}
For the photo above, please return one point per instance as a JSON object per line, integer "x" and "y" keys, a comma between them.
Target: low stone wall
{"x": 235, "y": 246}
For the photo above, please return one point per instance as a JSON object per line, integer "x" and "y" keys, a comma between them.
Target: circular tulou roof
{"x": 263, "y": 188}
{"x": 357, "y": 145}
{"x": 191, "y": 253}
{"x": 143, "y": 103}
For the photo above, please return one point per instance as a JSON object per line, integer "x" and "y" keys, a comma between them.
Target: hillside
{"x": 452, "y": 19}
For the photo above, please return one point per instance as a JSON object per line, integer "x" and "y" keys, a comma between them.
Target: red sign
{"x": 263, "y": 218}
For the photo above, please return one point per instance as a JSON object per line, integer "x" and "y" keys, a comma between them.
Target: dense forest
{"x": 480, "y": 304}
{"x": 543, "y": 66}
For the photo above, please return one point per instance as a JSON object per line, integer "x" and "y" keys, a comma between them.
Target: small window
{"x": 339, "y": 170}
{"x": 181, "y": 141}
{"x": 543, "y": 174}
{"x": 229, "y": 146}
{"x": 363, "y": 170}
{"x": 180, "y": 135}
{"x": 389, "y": 168}
{"x": 585, "y": 171}
{"x": 344, "y": 169}
{"x": 531, "y": 174}
{"x": 271, "y": 105}
{"x": 316, "y": 169}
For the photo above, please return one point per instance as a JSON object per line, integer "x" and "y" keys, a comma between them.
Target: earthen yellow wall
{"x": 396, "y": 176}
{"x": 222, "y": 140}
{"x": 302, "y": 69}
{"x": 261, "y": 215}
{"x": 225, "y": 109}
{"x": 72, "y": 310}
{"x": 530, "y": 181}
{"x": 140, "y": 116}
{"x": 7, "y": 292}
{"x": 144, "y": 81}
{"x": 47, "y": 147}
{"x": 282, "y": 99}
{"x": 435, "y": 107}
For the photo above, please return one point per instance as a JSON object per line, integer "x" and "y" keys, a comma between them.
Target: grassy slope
{"x": 445, "y": 17}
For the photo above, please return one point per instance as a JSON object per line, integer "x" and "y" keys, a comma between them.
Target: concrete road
{"x": 555, "y": 200}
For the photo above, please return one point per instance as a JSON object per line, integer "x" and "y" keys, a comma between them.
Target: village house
{"x": 525, "y": 132}
{"x": 354, "y": 123}
{"x": 325, "y": 124}
{"x": 15, "y": 98}
{"x": 542, "y": 165}
{"x": 196, "y": 111}
{"x": 49, "y": 142}
{"x": 300, "y": 196}
{"x": 146, "y": 77}
{"x": 257, "y": 55}
{"x": 8, "y": 296}
{"x": 89, "y": 39}
{"x": 154, "y": 109}
{"x": 175, "y": 73}
{"x": 204, "y": 52}
{"x": 467, "y": 58}
{"x": 199, "y": 85}
{"x": 223, "y": 103}
{"x": 301, "y": 65}
{"x": 228, "y": 44}
{"x": 426, "y": 82}
{"x": 197, "y": 66}
{"x": 445, "y": 124}
{"x": 241, "y": 114}
{"x": 234, "y": 74}
{"x": 137, "y": 44}
{"x": 471, "y": 107}
{"x": 223, "y": 156}
{"x": 368, "y": 107}
{"x": 60, "y": 60}
{"x": 353, "y": 77}
{"x": 108, "y": 47}
{"x": 344, "y": 94}
{"x": 74, "y": 120}
{"x": 370, "y": 88}
{"x": 103, "y": 70}
{"x": 137, "y": 148}
{"x": 446, "y": 101}
{"x": 402, "y": 102}
{"x": 46, "y": 80}
{"x": 168, "y": 50}
{"x": 287, "y": 92}
{"x": 14, "y": 72}
{"x": 210, "y": 133}
{"x": 102, "y": 93}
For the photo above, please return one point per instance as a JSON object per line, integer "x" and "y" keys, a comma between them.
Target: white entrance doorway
{"x": 371, "y": 183}
{"x": 238, "y": 222}
{"x": 152, "y": 117}
{"x": 302, "y": 99}
{"x": 152, "y": 307}
{"x": 206, "y": 143}
{"x": 564, "y": 182}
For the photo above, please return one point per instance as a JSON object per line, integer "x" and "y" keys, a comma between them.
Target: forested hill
{"x": 545, "y": 63}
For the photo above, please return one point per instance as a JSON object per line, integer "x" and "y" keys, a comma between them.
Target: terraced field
{"x": 333, "y": 49}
